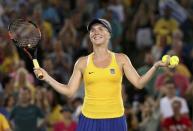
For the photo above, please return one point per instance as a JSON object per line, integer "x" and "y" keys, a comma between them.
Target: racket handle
{"x": 36, "y": 65}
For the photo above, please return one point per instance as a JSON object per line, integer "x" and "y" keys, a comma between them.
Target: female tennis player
{"x": 102, "y": 73}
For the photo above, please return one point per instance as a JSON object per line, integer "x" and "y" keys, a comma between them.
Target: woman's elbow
{"x": 139, "y": 86}
{"x": 69, "y": 94}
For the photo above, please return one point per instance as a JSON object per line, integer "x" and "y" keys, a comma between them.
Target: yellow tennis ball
{"x": 174, "y": 61}
{"x": 166, "y": 59}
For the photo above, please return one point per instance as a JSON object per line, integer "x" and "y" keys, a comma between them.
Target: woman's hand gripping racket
{"x": 26, "y": 35}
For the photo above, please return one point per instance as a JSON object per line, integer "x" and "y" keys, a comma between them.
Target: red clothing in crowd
{"x": 181, "y": 82}
{"x": 177, "y": 125}
{"x": 60, "y": 126}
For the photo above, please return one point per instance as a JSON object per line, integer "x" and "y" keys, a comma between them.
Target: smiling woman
{"x": 102, "y": 72}
{"x": 100, "y": 31}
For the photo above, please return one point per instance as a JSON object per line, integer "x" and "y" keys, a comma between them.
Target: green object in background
{"x": 150, "y": 85}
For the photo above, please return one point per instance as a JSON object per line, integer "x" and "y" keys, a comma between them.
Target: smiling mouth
{"x": 97, "y": 37}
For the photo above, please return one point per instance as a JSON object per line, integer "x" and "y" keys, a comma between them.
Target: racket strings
{"x": 28, "y": 42}
{"x": 25, "y": 34}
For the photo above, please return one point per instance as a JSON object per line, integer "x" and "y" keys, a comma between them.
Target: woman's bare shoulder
{"x": 121, "y": 57}
{"x": 81, "y": 62}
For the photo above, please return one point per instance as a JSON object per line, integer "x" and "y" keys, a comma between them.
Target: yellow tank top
{"x": 103, "y": 97}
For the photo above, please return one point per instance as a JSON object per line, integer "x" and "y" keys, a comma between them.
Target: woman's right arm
{"x": 73, "y": 84}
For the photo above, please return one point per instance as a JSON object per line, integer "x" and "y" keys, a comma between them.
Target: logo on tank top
{"x": 112, "y": 71}
{"x": 90, "y": 72}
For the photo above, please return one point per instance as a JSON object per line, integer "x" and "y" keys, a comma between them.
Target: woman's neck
{"x": 100, "y": 51}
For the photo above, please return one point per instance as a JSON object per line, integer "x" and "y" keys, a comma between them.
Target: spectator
{"x": 117, "y": 30}
{"x": 54, "y": 114}
{"x": 50, "y": 14}
{"x": 117, "y": 7}
{"x": 165, "y": 102}
{"x": 181, "y": 49}
{"x": 3, "y": 110}
{"x": 10, "y": 58}
{"x": 9, "y": 104}
{"x": 157, "y": 49}
{"x": 131, "y": 117}
{"x": 150, "y": 115}
{"x": 41, "y": 100}
{"x": 25, "y": 115}
{"x": 166, "y": 24}
{"x": 181, "y": 11}
{"x": 9, "y": 86}
{"x": 24, "y": 79}
{"x": 177, "y": 122}
{"x": 62, "y": 62}
{"x": 181, "y": 82}
{"x": 189, "y": 98}
{"x": 67, "y": 124}
{"x": 141, "y": 25}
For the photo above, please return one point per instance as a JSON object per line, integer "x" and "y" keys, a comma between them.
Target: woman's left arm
{"x": 132, "y": 75}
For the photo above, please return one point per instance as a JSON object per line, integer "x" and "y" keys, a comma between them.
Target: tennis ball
{"x": 166, "y": 59}
{"x": 174, "y": 61}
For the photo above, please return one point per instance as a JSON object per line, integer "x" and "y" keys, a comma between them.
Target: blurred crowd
{"x": 145, "y": 30}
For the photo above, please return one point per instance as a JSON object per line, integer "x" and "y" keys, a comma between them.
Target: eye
{"x": 91, "y": 30}
{"x": 101, "y": 28}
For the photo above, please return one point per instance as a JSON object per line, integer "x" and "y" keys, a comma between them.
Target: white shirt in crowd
{"x": 166, "y": 108}
{"x": 178, "y": 12}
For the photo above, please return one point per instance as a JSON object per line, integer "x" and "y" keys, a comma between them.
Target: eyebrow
{"x": 99, "y": 26}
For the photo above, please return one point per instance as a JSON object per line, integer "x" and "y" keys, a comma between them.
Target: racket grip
{"x": 36, "y": 65}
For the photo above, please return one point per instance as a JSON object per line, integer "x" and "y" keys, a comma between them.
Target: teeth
{"x": 97, "y": 37}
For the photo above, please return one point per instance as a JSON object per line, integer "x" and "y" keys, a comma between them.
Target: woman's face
{"x": 99, "y": 34}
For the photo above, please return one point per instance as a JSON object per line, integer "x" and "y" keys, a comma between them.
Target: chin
{"x": 98, "y": 42}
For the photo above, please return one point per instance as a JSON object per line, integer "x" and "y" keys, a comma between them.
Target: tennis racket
{"x": 26, "y": 35}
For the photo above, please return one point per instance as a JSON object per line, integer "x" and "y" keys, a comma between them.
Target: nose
{"x": 96, "y": 32}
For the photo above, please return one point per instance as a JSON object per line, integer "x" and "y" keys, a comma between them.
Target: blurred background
{"x": 144, "y": 30}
